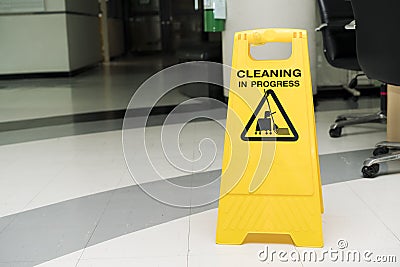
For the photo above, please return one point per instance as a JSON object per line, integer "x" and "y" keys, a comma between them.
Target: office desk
{"x": 393, "y": 113}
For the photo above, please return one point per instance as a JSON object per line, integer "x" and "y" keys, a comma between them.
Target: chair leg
{"x": 381, "y": 154}
{"x": 343, "y": 120}
{"x": 347, "y": 116}
{"x": 353, "y": 119}
{"x": 392, "y": 145}
{"x": 352, "y": 91}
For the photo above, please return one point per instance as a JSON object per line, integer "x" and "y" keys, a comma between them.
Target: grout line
{"x": 29, "y": 202}
{"x": 95, "y": 228}
{"x": 188, "y": 241}
{"x": 189, "y": 223}
{"x": 9, "y": 223}
{"x": 298, "y": 251}
{"x": 373, "y": 212}
{"x": 190, "y": 209}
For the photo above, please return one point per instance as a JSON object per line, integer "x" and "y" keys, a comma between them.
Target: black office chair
{"x": 340, "y": 52}
{"x": 378, "y": 45}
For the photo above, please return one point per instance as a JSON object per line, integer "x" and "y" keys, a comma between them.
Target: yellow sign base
{"x": 270, "y": 184}
{"x": 262, "y": 219}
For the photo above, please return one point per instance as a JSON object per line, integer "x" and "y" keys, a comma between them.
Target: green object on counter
{"x": 211, "y": 24}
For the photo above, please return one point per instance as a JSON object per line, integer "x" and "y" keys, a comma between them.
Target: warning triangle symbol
{"x": 266, "y": 128}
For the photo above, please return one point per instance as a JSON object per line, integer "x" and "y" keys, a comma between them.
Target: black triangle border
{"x": 295, "y": 136}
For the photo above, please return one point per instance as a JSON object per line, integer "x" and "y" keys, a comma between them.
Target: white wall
{"x": 33, "y": 43}
{"x": 84, "y": 44}
{"x": 81, "y": 6}
{"x": 54, "y": 5}
{"x": 246, "y": 15}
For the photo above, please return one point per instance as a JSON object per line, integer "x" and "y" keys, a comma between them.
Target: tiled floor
{"x": 106, "y": 87}
{"x": 68, "y": 199}
{"x": 348, "y": 216}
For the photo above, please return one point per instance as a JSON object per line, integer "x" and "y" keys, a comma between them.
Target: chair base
{"x": 381, "y": 154}
{"x": 353, "y": 119}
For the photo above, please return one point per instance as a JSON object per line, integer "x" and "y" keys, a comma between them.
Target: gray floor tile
{"x": 340, "y": 167}
{"x": 19, "y": 263}
{"x": 49, "y": 232}
{"x": 5, "y": 221}
{"x": 341, "y": 105}
{"x": 131, "y": 210}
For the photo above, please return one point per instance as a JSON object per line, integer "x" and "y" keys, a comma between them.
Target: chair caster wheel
{"x": 334, "y": 133}
{"x": 354, "y": 98}
{"x": 380, "y": 150}
{"x": 370, "y": 171}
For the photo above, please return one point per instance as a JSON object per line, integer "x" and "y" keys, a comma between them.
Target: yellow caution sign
{"x": 270, "y": 184}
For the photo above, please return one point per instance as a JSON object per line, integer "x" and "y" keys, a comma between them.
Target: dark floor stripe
{"x": 103, "y": 115}
{"x": 77, "y": 118}
{"x": 96, "y": 126}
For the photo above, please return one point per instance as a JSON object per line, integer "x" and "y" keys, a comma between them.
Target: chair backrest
{"x": 378, "y": 40}
{"x": 333, "y": 10}
{"x": 339, "y": 43}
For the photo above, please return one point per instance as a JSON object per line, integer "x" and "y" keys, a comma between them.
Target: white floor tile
{"x": 49, "y": 171}
{"x": 236, "y": 260}
{"x": 346, "y": 217}
{"x": 205, "y": 252}
{"x": 93, "y": 163}
{"x": 165, "y": 240}
{"x": 381, "y": 195}
{"x": 154, "y": 261}
{"x": 68, "y": 260}
{"x": 78, "y": 181}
